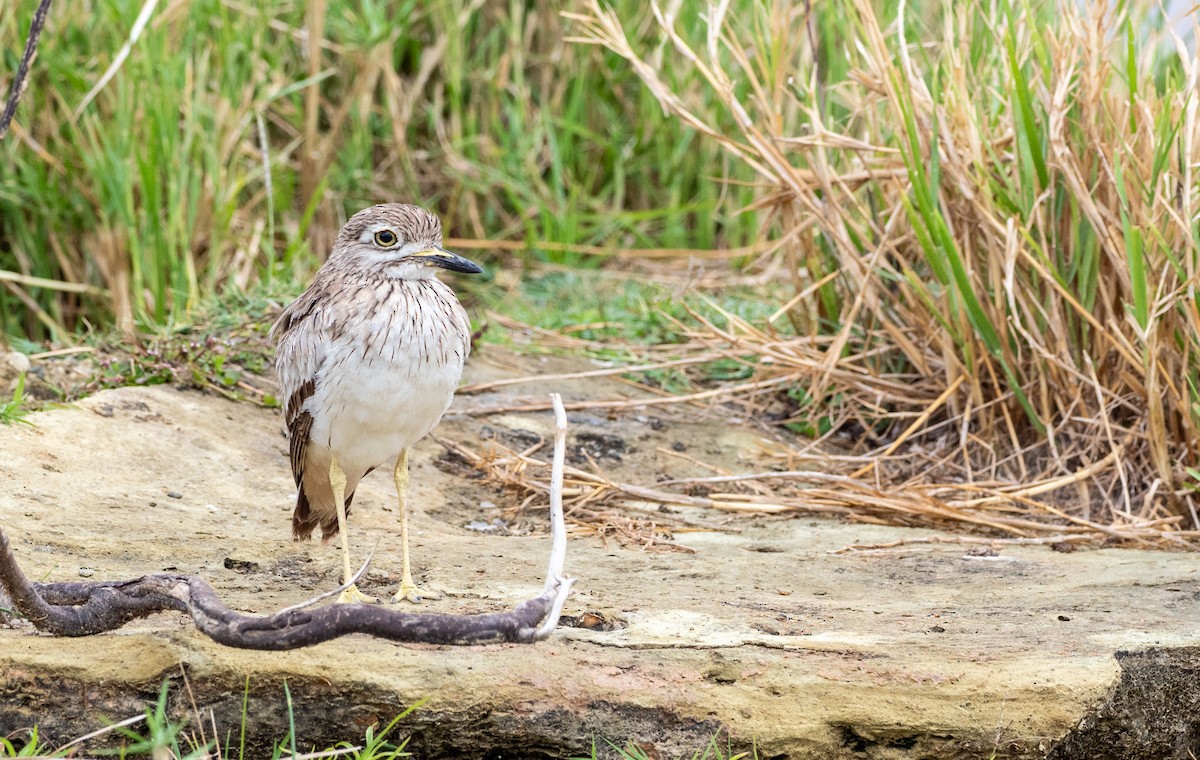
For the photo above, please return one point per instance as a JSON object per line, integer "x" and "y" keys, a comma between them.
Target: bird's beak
{"x": 440, "y": 257}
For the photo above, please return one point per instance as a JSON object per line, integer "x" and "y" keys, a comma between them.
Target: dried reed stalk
{"x": 1004, "y": 289}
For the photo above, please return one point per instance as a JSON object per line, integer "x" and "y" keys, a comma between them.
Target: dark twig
{"x": 82, "y": 608}
{"x": 20, "y": 81}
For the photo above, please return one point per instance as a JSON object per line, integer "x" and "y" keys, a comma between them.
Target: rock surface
{"x": 763, "y": 636}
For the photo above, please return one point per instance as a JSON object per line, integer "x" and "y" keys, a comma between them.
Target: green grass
{"x": 224, "y": 348}
{"x": 163, "y": 734}
{"x": 15, "y": 409}
{"x": 156, "y": 193}
{"x": 597, "y": 307}
{"x": 184, "y": 738}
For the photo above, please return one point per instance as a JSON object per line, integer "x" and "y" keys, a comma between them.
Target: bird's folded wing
{"x": 300, "y": 332}
{"x": 299, "y": 425}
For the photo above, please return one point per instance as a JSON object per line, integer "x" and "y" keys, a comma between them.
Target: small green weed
{"x": 15, "y": 409}
{"x": 375, "y": 747}
{"x": 162, "y": 736}
{"x": 30, "y": 746}
{"x": 811, "y": 418}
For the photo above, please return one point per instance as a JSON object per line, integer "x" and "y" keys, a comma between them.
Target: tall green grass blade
{"x": 945, "y": 251}
{"x": 1134, "y": 253}
{"x": 1028, "y": 134}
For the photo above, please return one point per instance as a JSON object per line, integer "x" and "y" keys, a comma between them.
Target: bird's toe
{"x": 410, "y": 592}
{"x": 353, "y": 596}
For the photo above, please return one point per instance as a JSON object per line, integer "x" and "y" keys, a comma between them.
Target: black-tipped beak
{"x": 440, "y": 257}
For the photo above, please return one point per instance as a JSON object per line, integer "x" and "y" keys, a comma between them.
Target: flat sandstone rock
{"x": 763, "y": 636}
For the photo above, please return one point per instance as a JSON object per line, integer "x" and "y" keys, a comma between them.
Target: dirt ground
{"x": 758, "y": 633}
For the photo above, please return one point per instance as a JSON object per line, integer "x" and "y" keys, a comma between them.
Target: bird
{"x": 368, "y": 359}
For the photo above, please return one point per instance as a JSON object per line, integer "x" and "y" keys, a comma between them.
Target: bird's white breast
{"x": 389, "y": 371}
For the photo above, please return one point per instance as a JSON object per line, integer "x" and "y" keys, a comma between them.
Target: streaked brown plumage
{"x": 368, "y": 359}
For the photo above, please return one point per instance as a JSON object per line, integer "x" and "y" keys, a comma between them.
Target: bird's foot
{"x": 411, "y": 592}
{"x": 353, "y": 596}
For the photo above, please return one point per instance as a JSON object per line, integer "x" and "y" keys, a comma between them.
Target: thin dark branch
{"x": 19, "y": 82}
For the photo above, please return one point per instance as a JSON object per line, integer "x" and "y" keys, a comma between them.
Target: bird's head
{"x": 397, "y": 240}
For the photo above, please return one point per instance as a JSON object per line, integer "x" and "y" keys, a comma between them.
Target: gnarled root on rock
{"x": 84, "y": 608}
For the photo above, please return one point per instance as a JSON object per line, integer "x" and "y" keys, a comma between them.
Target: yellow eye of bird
{"x": 385, "y": 238}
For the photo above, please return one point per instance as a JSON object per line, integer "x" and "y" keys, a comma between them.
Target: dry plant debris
{"x": 993, "y": 260}
{"x": 910, "y": 479}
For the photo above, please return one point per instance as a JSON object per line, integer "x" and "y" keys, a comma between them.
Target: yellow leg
{"x": 408, "y": 590}
{"x": 337, "y": 480}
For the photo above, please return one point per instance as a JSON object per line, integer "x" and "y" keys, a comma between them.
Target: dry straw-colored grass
{"x": 991, "y": 232}
{"x": 633, "y": 514}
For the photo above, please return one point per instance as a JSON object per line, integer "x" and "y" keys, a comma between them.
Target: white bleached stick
{"x": 555, "y": 578}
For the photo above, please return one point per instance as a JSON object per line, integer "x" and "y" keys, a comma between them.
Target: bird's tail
{"x": 305, "y": 519}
